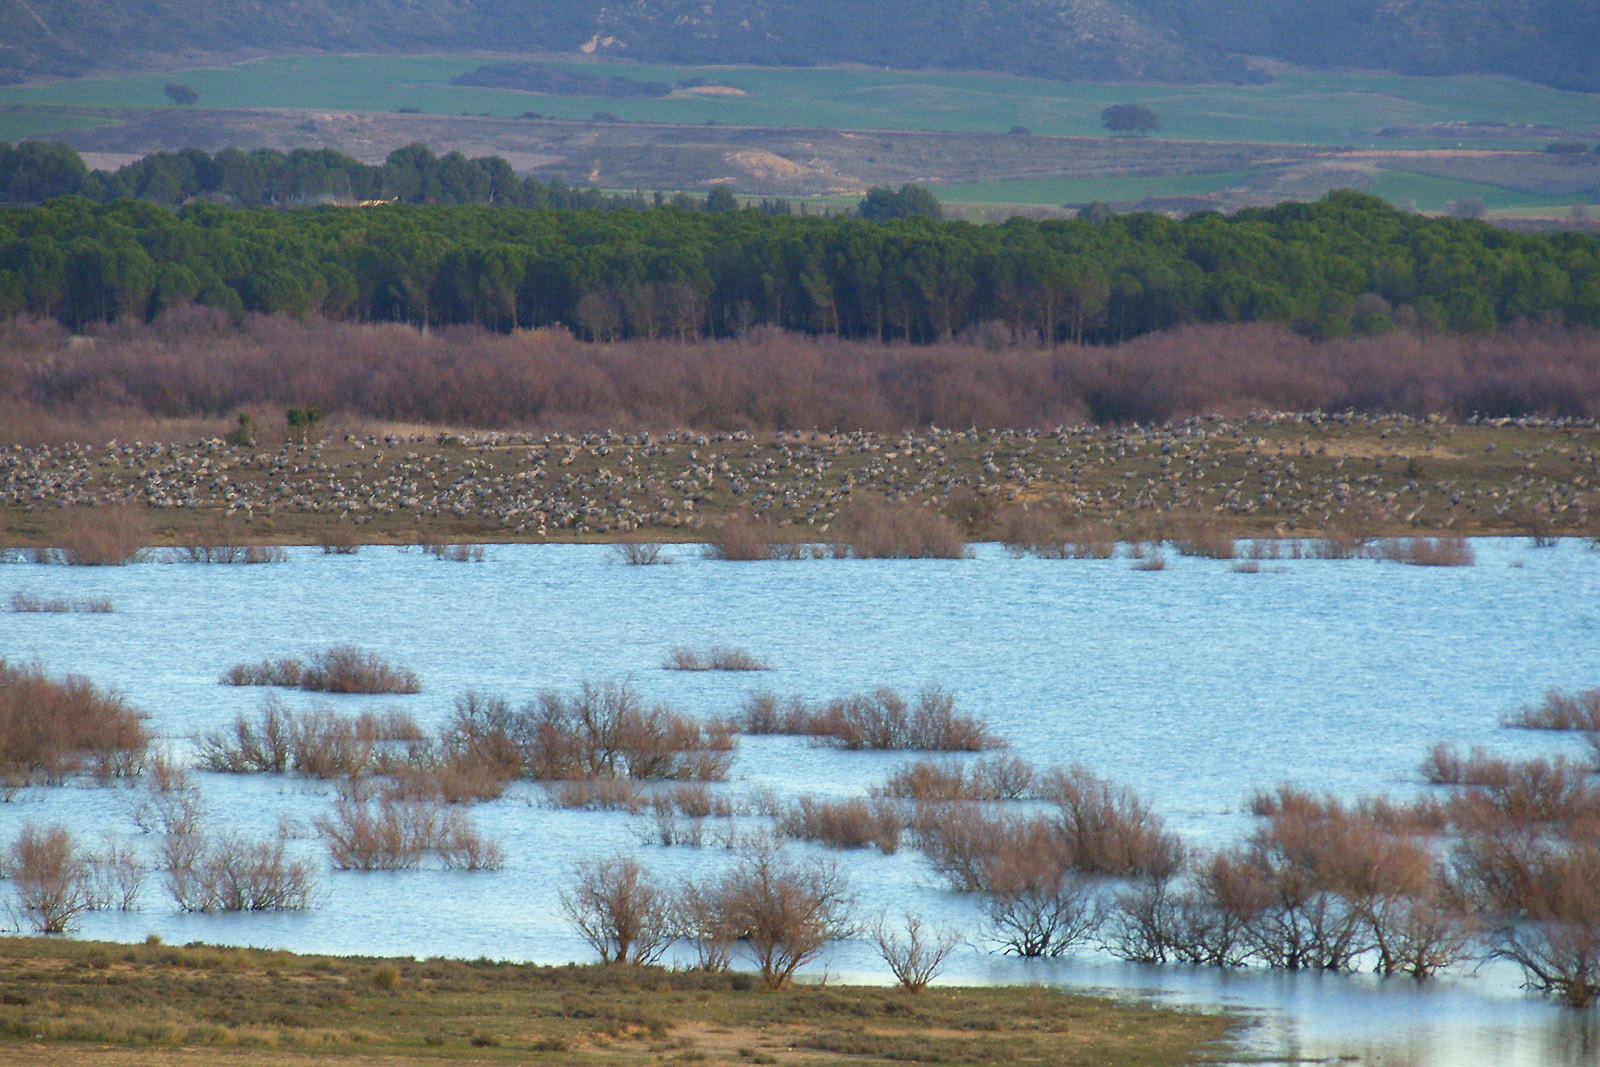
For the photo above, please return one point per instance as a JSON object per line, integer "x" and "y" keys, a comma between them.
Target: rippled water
{"x": 1196, "y": 685}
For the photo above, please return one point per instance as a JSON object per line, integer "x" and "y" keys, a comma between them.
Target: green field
{"x": 1302, "y": 107}
{"x": 1060, "y": 191}
{"x": 1424, "y": 192}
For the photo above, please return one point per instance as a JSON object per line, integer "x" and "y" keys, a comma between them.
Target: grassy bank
{"x": 1289, "y": 476}
{"x": 64, "y": 1002}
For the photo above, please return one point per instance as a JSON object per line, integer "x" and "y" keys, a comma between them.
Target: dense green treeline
{"x": 1348, "y": 263}
{"x": 34, "y": 171}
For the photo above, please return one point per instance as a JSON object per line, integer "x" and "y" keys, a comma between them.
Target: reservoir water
{"x": 1195, "y": 685}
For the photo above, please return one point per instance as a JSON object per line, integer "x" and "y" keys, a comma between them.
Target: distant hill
{"x": 1548, "y": 41}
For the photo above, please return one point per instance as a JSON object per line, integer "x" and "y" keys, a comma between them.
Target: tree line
{"x": 35, "y": 171}
{"x": 1348, "y": 264}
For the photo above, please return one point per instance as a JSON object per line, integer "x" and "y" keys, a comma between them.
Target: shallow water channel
{"x": 1195, "y": 685}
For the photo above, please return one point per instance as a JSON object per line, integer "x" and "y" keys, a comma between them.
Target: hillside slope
{"x": 1549, "y": 41}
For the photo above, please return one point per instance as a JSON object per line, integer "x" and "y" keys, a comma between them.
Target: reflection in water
{"x": 1196, "y": 685}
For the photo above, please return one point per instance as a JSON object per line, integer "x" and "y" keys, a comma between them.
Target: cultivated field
{"x": 336, "y": 100}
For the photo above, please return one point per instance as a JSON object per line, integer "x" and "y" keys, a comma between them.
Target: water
{"x": 1196, "y": 685}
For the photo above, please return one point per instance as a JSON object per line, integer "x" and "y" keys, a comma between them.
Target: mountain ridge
{"x": 1545, "y": 41}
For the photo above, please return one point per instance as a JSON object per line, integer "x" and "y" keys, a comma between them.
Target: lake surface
{"x": 1195, "y": 685}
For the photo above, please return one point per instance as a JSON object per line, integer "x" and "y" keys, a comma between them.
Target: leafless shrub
{"x": 881, "y": 719}
{"x": 347, "y": 669}
{"x": 266, "y": 554}
{"x": 340, "y": 669}
{"x": 766, "y": 713}
{"x": 618, "y": 910}
{"x": 284, "y": 672}
{"x": 32, "y": 602}
{"x": 988, "y": 778}
{"x": 1556, "y": 941}
{"x": 900, "y": 530}
{"x": 261, "y": 747}
{"x": 388, "y": 836}
{"x": 606, "y": 731}
{"x": 394, "y": 835}
{"x": 851, "y": 823}
{"x": 326, "y": 745}
{"x": 1038, "y": 908}
{"x": 455, "y": 553}
{"x": 1107, "y": 829}
{"x": 339, "y": 541}
{"x": 1151, "y": 560}
{"x": 786, "y": 911}
{"x": 54, "y": 879}
{"x": 703, "y": 916}
{"x": 1204, "y": 534}
{"x": 1561, "y": 711}
{"x": 739, "y": 536}
{"x": 232, "y": 874}
{"x": 51, "y": 729}
{"x": 637, "y": 552}
{"x": 119, "y": 875}
{"x": 460, "y": 846}
{"x": 1445, "y": 765}
{"x": 917, "y": 956}
{"x": 448, "y": 776}
{"x": 597, "y": 794}
{"x": 1428, "y": 551}
{"x": 717, "y": 658}
{"x": 103, "y": 536}
{"x": 1554, "y": 793}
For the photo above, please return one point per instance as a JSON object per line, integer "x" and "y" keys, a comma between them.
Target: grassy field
{"x": 1300, "y": 107}
{"x": 64, "y": 1002}
{"x": 1425, "y": 192}
{"x": 1086, "y": 190}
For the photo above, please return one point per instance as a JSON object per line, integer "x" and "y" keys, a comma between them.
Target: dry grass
{"x": 63, "y": 1003}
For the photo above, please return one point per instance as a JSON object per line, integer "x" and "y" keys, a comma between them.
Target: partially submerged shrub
{"x": 317, "y": 742}
{"x": 392, "y": 835}
{"x": 102, "y": 536}
{"x": 900, "y": 530}
{"x": 1428, "y": 551}
{"x": 340, "y": 669}
{"x": 997, "y": 777}
{"x": 636, "y": 551}
{"x": 1197, "y": 533}
{"x": 739, "y": 536}
{"x": 31, "y": 602}
{"x": 1561, "y": 710}
{"x": 230, "y": 873}
{"x": 881, "y": 719}
{"x": 51, "y": 729}
{"x": 848, "y": 824}
{"x": 716, "y": 658}
{"x": 53, "y": 877}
